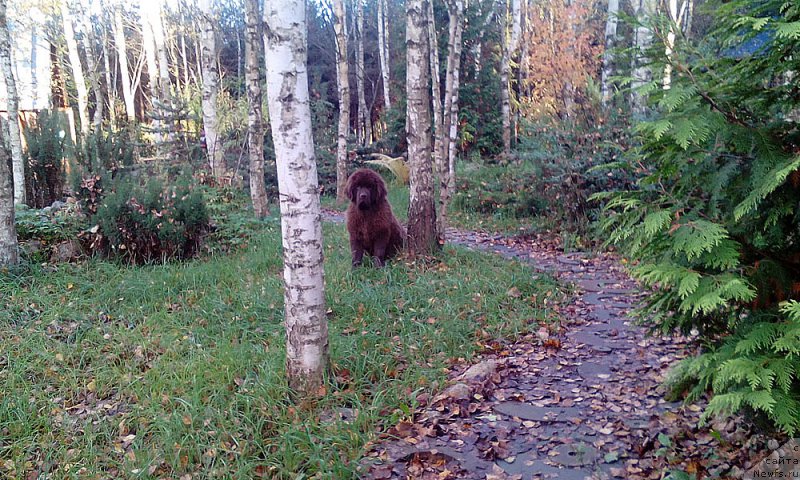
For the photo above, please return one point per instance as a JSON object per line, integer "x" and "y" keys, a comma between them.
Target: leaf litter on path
{"x": 583, "y": 400}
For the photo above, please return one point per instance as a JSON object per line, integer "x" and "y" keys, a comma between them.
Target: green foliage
{"x": 47, "y": 226}
{"x": 713, "y": 223}
{"x": 48, "y": 146}
{"x": 146, "y": 224}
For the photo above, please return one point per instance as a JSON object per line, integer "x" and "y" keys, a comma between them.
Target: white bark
{"x": 644, "y": 11}
{"x": 364, "y": 116}
{"x": 343, "y": 83}
{"x": 436, "y": 90}
{"x": 77, "y": 68}
{"x": 110, "y": 84}
{"x": 511, "y": 34}
{"x": 422, "y": 237}
{"x": 15, "y": 136}
{"x": 672, "y": 10}
{"x": 383, "y": 50}
{"x": 455, "y": 10}
{"x": 122, "y": 57}
{"x": 208, "y": 47}
{"x": 91, "y": 67}
{"x": 255, "y": 118}
{"x": 301, "y": 222}
{"x": 9, "y": 253}
{"x": 608, "y": 55}
{"x": 156, "y": 23}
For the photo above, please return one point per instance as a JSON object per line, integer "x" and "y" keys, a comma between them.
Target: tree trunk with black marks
{"x": 343, "y": 84}
{"x": 455, "y": 10}
{"x": 208, "y": 65}
{"x": 255, "y": 118}
{"x": 364, "y": 116}
{"x": 77, "y": 68}
{"x": 422, "y": 236}
{"x": 511, "y": 31}
{"x": 301, "y": 221}
{"x": 383, "y": 51}
{"x": 608, "y": 55}
{"x": 122, "y": 57}
{"x": 12, "y": 102}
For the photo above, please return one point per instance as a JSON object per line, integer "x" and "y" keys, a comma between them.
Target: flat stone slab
{"x": 534, "y": 413}
{"x": 575, "y": 455}
{"x": 593, "y": 370}
{"x": 529, "y": 467}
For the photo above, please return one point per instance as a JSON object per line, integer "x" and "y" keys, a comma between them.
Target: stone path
{"x": 580, "y": 401}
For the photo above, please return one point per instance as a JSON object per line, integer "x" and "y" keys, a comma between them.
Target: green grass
{"x": 109, "y": 371}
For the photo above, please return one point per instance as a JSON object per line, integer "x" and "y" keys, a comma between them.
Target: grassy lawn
{"x": 110, "y": 371}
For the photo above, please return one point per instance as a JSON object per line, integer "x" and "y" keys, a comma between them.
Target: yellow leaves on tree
{"x": 562, "y": 45}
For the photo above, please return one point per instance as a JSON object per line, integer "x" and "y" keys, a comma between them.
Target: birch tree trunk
{"x": 9, "y": 252}
{"x": 364, "y": 116}
{"x": 255, "y": 118}
{"x": 77, "y": 69}
{"x": 92, "y": 70}
{"x": 301, "y": 221}
{"x": 149, "y": 48}
{"x": 669, "y": 46}
{"x": 343, "y": 83}
{"x": 208, "y": 53}
{"x": 383, "y": 51}
{"x": 110, "y": 85}
{"x": 644, "y": 11}
{"x": 422, "y": 237}
{"x": 436, "y": 90}
{"x": 15, "y": 140}
{"x": 455, "y": 10}
{"x": 122, "y": 57}
{"x": 157, "y": 24}
{"x": 510, "y": 42}
{"x": 608, "y": 55}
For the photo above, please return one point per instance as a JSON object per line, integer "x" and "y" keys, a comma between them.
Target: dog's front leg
{"x": 357, "y": 251}
{"x": 380, "y": 251}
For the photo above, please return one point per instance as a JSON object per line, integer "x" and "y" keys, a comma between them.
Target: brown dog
{"x": 371, "y": 224}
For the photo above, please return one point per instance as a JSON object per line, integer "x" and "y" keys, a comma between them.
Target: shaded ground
{"x": 583, "y": 400}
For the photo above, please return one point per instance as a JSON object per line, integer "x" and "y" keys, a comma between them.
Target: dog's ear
{"x": 349, "y": 189}
{"x": 380, "y": 190}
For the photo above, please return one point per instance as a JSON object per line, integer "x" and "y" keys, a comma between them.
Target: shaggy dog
{"x": 371, "y": 224}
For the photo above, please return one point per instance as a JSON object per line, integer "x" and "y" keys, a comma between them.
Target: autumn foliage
{"x": 561, "y": 48}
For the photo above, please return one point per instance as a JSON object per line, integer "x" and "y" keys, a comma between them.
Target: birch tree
{"x": 88, "y": 41}
{"x": 128, "y": 87}
{"x": 643, "y": 38}
{"x": 511, "y": 34}
{"x": 680, "y": 14}
{"x": 383, "y": 51}
{"x": 422, "y": 237}
{"x": 208, "y": 54}
{"x": 77, "y": 68}
{"x": 436, "y": 88}
{"x": 364, "y": 117}
{"x": 608, "y": 55}
{"x": 149, "y": 48}
{"x": 301, "y": 224}
{"x": 255, "y": 118}
{"x": 9, "y": 253}
{"x": 12, "y": 105}
{"x": 455, "y": 9}
{"x": 343, "y": 83}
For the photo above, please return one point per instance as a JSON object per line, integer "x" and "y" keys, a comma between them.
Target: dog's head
{"x": 366, "y": 189}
